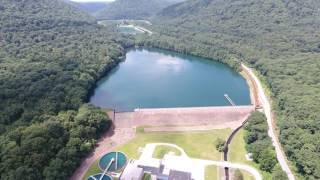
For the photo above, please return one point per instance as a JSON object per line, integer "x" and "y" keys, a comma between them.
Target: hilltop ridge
{"x": 133, "y": 9}
{"x": 39, "y": 13}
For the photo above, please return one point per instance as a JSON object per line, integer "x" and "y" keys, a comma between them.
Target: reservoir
{"x": 153, "y": 78}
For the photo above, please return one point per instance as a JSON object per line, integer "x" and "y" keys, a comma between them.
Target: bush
{"x": 220, "y": 144}
{"x": 238, "y": 175}
{"x": 278, "y": 174}
{"x": 146, "y": 176}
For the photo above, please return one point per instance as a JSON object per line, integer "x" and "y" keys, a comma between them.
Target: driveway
{"x": 187, "y": 164}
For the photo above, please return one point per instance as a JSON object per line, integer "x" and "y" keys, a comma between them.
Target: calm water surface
{"x": 152, "y": 78}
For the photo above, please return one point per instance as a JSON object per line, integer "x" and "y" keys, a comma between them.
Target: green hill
{"x": 280, "y": 38}
{"x": 51, "y": 55}
{"x": 133, "y": 9}
{"x": 28, "y": 14}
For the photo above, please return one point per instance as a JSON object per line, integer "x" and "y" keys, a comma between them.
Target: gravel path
{"x": 270, "y": 119}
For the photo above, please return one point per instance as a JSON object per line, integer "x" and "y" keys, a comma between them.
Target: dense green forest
{"x": 51, "y": 55}
{"x": 51, "y": 149}
{"x": 259, "y": 144}
{"x": 133, "y": 9}
{"x": 280, "y": 38}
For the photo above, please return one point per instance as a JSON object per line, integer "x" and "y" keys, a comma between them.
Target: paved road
{"x": 186, "y": 163}
{"x": 267, "y": 110}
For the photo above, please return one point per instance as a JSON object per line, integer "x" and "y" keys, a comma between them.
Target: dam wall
{"x": 216, "y": 117}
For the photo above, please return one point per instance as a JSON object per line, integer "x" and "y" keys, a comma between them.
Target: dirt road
{"x": 267, "y": 110}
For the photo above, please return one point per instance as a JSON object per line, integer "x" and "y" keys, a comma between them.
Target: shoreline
{"x": 250, "y": 85}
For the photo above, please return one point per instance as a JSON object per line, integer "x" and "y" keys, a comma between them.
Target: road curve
{"x": 267, "y": 110}
{"x": 149, "y": 148}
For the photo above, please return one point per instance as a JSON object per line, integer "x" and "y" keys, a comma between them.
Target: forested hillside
{"x": 22, "y": 15}
{"x": 280, "y": 38}
{"x": 90, "y": 7}
{"x": 51, "y": 55}
{"x": 260, "y": 145}
{"x": 133, "y": 9}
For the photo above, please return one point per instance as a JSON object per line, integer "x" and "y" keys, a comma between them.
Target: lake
{"x": 153, "y": 78}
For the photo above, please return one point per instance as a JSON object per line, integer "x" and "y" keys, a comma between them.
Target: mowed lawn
{"x": 94, "y": 169}
{"x": 211, "y": 173}
{"x": 198, "y": 144}
{"x": 161, "y": 151}
{"x": 237, "y": 153}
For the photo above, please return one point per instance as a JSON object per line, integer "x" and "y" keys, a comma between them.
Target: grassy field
{"x": 211, "y": 172}
{"x": 146, "y": 176}
{"x": 237, "y": 154}
{"x": 160, "y": 151}
{"x": 196, "y": 144}
{"x": 94, "y": 169}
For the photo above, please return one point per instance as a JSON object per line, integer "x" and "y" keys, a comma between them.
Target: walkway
{"x": 185, "y": 163}
{"x": 270, "y": 119}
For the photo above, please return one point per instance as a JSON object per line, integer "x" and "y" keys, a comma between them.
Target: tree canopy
{"x": 133, "y": 9}
{"x": 259, "y": 143}
{"x": 51, "y": 55}
{"x": 279, "y": 38}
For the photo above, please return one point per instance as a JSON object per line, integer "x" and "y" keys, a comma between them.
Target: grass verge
{"x": 237, "y": 153}
{"x": 160, "y": 151}
{"x": 211, "y": 172}
{"x": 196, "y": 144}
{"x": 94, "y": 169}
